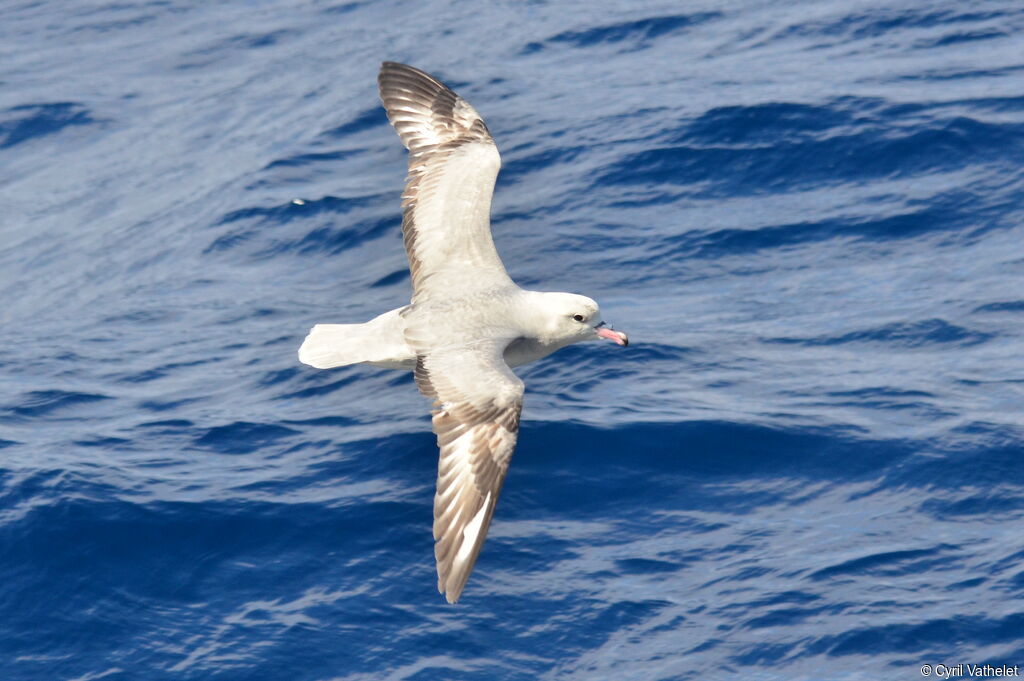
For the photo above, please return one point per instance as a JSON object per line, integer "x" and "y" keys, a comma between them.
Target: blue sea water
{"x": 807, "y": 465}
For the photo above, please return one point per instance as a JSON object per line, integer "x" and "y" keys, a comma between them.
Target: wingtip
{"x": 386, "y": 66}
{"x": 453, "y": 594}
{"x": 450, "y": 595}
{"x": 395, "y": 67}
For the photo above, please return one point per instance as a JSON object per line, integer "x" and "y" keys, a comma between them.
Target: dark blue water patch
{"x": 765, "y": 654}
{"x": 19, "y": 124}
{"x": 624, "y": 614}
{"x": 120, "y": 16}
{"x": 328, "y": 421}
{"x": 120, "y": 571}
{"x": 161, "y": 371}
{"x": 645, "y": 566}
{"x": 637, "y": 33}
{"x": 601, "y": 472}
{"x": 966, "y": 584}
{"x": 392, "y": 279}
{"x": 231, "y": 48}
{"x": 401, "y": 378}
{"x": 961, "y": 74}
{"x": 242, "y": 437}
{"x": 37, "y": 403}
{"x": 7, "y": 443}
{"x": 991, "y": 435}
{"x": 143, "y": 317}
{"x": 921, "y": 404}
{"x": 1017, "y": 581}
{"x": 278, "y": 376}
{"x": 1000, "y": 503}
{"x": 932, "y": 635}
{"x": 730, "y": 242}
{"x": 254, "y": 313}
{"x": 885, "y": 150}
{"x": 709, "y": 644}
{"x": 1010, "y": 563}
{"x": 166, "y": 426}
{"x": 249, "y": 41}
{"x": 176, "y": 434}
{"x": 332, "y": 239}
{"x": 950, "y": 215}
{"x": 781, "y": 598}
{"x": 285, "y": 212}
{"x": 57, "y": 537}
{"x": 997, "y": 104}
{"x": 309, "y": 159}
{"x": 408, "y": 462}
{"x": 343, "y": 8}
{"x": 599, "y": 238}
{"x": 166, "y": 405}
{"x": 888, "y": 563}
{"x": 538, "y": 623}
{"x": 106, "y": 443}
{"x": 773, "y": 121}
{"x": 1006, "y": 306}
{"x": 519, "y": 166}
{"x": 959, "y": 37}
{"x": 365, "y": 120}
{"x": 925, "y": 333}
{"x": 969, "y": 479}
{"x": 884, "y": 397}
{"x": 860, "y": 26}
{"x": 322, "y": 386}
{"x": 40, "y": 484}
{"x": 327, "y": 236}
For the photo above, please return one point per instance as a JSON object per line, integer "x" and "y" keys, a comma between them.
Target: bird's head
{"x": 571, "y": 318}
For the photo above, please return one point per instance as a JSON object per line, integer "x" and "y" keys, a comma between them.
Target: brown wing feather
{"x": 476, "y": 434}
{"x": 453, "y": 163}
{"x": 425, "y": 112}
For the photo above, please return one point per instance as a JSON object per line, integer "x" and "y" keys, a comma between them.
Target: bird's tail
{"x": 380, "y": 341}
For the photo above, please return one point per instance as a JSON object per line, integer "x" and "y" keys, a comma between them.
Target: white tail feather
{"x": 380, "y": 342}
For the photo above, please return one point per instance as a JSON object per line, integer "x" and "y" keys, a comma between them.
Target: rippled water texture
{"x": 808, "y": 464}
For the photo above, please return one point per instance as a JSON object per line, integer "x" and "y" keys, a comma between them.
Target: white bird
{"x": 467, "y": 322}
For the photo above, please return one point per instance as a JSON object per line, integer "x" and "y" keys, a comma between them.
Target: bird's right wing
{"x": 477, "y": 402}
{"x": 453, "y": 163}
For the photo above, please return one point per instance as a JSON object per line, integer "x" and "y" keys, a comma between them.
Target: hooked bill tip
{"x": 614, "y": 336}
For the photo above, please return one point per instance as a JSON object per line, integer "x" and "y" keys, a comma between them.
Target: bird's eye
{"x": 578, "y": 317}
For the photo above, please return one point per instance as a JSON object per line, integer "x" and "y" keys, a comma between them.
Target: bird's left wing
{"x": 477, "y": 402}
{"x": 453, "y": 163}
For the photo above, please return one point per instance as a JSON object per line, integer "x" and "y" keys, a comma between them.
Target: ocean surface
{"x": 808, "y": 465}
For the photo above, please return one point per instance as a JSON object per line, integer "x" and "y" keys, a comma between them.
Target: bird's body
{"x": 467, "y": 324}
{"x": 381, "y": 341}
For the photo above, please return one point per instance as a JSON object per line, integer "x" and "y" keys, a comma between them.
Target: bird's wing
{"x": 453, "y": 163}
{"x": 477, "y": 401}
